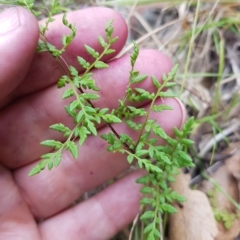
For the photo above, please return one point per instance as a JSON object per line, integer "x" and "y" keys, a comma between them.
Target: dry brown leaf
{"x": 233, "y": 165}
{"x": 230, "y": 234}
{"x": 194, "y": 220}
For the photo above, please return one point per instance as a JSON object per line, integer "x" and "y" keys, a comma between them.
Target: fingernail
{"x": 9, "y": 20}
{"x": 184, "y": 112}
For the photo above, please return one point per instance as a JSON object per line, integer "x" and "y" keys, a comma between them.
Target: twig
{"x": 213, "y": 168}
{"x": 219, "y": 137}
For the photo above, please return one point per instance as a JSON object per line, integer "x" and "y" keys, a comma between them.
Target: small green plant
{"x": 223, "y": 216}
{"x": 161, "y": 162}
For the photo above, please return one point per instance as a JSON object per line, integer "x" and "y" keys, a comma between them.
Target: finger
{"x": 16, "y": 221}
{"x": 45, "y": 108}
{"x": 18, "y": 40}
{"x": 90, "y": 24}
{"x": 100, "y": 217}
{"x": 94, "y": 166}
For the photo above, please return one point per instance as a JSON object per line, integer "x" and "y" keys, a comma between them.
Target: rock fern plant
{"x": 160, "y": 162}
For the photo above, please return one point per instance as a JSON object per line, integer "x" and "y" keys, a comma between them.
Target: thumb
{"x": 18, "y": 40}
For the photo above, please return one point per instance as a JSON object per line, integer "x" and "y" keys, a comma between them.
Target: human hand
{"x": 30, "y": 103}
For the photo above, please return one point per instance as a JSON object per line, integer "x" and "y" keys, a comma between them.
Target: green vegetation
{"x": 200, "y": 46}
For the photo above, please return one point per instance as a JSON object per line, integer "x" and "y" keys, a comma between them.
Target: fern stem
{"x": 148, "y": 113}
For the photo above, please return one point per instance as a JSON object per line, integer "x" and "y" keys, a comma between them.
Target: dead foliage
{"x": 195, "y": 219}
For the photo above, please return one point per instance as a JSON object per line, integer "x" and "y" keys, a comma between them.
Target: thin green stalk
{"x": 148, "y": 113}
{"x": 214, "y": 145}
{"x": 230, "y": 199}
{"x": 165, "y": 220}
{"x": 97, "y": 59}
{"x": 220, "y": 73}
{"x": 190, "y": 47}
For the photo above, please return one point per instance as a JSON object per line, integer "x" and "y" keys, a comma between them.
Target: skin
{"x": 30, "y": 102}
